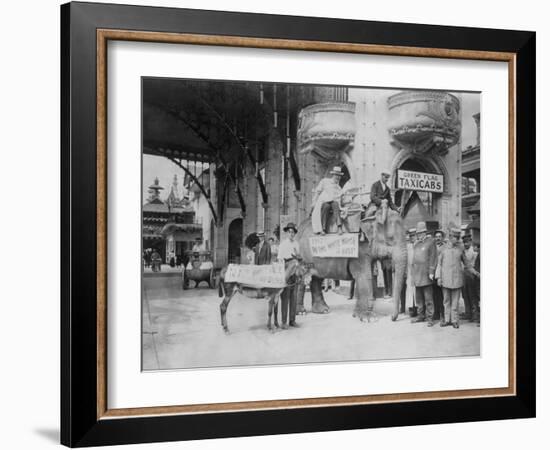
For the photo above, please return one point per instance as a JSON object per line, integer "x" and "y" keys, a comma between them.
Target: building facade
{"x": 267, "y": 146}
{"x": 415, "y": 133}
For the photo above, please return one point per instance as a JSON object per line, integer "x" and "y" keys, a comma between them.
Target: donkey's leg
{"x": 229, "y": 291}
{"x": 270, "y": 306}
{"x": 300, "y": 293}
{"x": 276, "y": 310}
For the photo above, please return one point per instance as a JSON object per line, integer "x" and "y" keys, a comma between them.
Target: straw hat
{"x": 455, "y": 232}
{"x": 336, "y": 170}
{"x": 421, "y": 227}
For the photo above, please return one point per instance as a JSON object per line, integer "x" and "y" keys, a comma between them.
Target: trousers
{"x": 438, "y": 302}
{"x": 469, "y": 295}
{"x": 450, "y": 304}
{"x": 326, "y": 209}
{"x": 288, "y": 304}
{"x": 475, "y": 300}
{"x": 425, "y": 301}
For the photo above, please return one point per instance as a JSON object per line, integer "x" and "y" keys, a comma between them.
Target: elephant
{"x": 384, "y": 237}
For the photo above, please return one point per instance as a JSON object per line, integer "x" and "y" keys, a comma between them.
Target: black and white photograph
{"x": 259, "y": 225}
{"x": 303, "y": 224}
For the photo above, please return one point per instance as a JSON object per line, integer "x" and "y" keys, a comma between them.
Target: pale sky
{"x": 164, "y": 169}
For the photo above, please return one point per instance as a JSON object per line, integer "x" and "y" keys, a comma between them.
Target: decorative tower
{"x": 154, "y": 192}
{"x": 173, "y": 198}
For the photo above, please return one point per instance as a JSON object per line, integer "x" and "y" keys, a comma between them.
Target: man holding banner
{"x": 289, "y": 249}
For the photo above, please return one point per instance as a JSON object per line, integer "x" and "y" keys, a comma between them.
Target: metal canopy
{"x": 203, "y": 120}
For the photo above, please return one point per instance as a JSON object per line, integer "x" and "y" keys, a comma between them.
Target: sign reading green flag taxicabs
{"x": 419, "y": 181}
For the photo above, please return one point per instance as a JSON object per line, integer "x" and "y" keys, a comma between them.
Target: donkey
{"x": 296, "y": 272}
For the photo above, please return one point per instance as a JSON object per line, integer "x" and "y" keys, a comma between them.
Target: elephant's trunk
{"x": 364, "y": 291}
{"x": 400, "y": 270}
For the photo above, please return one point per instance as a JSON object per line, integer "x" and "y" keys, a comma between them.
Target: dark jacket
{"x": 424, "y": 262}
{"x": 477, "y": 265}
{"x": 379, "y": 192}
{"x": 262, "y": 256}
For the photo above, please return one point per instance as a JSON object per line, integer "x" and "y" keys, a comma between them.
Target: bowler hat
{"x": 289, "y": 226}
{"x": 260, "y": 233}
{"x": 421, "y": 227}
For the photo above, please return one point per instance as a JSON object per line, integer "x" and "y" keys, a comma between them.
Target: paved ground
{"x": 181, "y": 329}
{"x": 165, "y": 269}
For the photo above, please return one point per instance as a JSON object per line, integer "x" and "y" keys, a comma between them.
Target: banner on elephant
{"x": 271, "y": 275}
{"x": 335, "y": 246}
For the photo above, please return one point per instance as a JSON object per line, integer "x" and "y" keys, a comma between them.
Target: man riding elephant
{"x": 327, "y": 199}
{"x": 380, "y": 192}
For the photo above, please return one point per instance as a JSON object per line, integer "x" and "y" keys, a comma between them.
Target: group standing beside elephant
{"x": 428, "y": 275}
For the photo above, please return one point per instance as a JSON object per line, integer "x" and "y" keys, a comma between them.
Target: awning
{"x": 181, "y": 227}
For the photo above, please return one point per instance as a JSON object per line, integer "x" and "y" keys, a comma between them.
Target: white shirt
{"x": 287, "y": 249}
{"x": 328, "y": 190}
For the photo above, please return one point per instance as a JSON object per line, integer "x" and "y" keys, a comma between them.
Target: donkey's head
{"x": 299, "y": 269}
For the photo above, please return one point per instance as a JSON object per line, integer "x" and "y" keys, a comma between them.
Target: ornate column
{"x": 327, "y": 131}
{"x": 424, "y": 121}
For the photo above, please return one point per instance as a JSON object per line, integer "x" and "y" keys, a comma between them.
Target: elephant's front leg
{"x": 364, "y": 293}
{"x": 318, "y": 304}
{"x": 229, "y": 293}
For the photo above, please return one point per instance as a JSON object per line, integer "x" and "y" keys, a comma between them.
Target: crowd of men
{"x": 440, "y": 271}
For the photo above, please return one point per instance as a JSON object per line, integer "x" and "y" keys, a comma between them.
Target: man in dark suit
{"x": 262, "y": 251}
{"x": 379, "y": 192}
{"x": 476, "y": 271}
{"x": 423, "y": 273}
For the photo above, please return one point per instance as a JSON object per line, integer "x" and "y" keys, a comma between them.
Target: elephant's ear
{"x": 367, "y": 227}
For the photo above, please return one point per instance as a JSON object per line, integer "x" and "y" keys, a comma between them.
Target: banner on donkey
{"x": 335, "y": 246}
{"x": 271, "y": 275}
